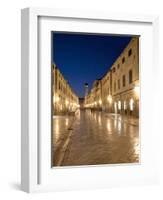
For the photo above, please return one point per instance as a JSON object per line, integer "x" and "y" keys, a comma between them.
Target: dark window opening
{"x": 130, "y": 76}
{"x": 130, "y": 52}
{"x": 123, "y": 60}
{"x": 118, "y": 84}
{"x": 114, "y": 86}
{"x": 124, "y": 80}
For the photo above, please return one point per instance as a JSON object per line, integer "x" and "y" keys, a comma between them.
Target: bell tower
{"x": 86, "y": 89}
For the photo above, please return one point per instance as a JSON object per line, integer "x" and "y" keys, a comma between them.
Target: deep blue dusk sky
{"x": 84, "y": 58}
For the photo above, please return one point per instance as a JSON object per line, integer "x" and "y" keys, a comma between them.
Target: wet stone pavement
{"x": 62, "y": 129}
{"x": 95, "y": 138}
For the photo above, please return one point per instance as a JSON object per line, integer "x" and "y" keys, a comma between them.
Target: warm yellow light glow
{"x": 66, "y": 122}
{"x": 119, "y": 105}
{"x": 55, "y": 98}
{"x": 109, "y": 98}
{"x": 131, "y": 104}
{"x": 109, "y": 126}
{"x": 119, "y": 125}
{"x": 100, "y": 102}
{"x": 137, "y": 148}
{"x": 76, "y": 105}
{"x": 137, "y": 90}
{"x": 115, "y": 123}
{"x": 99, "y": 120}
{"x": 67, "y": 102}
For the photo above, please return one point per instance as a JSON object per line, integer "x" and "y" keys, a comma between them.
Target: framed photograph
{"x": 88, "y": 96}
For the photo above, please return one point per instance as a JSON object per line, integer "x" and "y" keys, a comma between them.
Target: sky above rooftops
{"x": 83, "y": 58}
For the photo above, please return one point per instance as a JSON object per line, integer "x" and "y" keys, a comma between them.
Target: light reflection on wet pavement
{"x": 60, "y": 128}
{"x": 98, "y": 138}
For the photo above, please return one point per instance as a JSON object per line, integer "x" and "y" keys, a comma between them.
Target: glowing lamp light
{"x": 55, "y": 99}
{"x": 137, "y": 90}
{"x": 119, "y": 105}
{"x": 67, "y": 102}
{"x": 131, "y": 104}
{"x": 109, "y": 98}
{"x": 66, "y": 122}
{"x": 100, "y": 102}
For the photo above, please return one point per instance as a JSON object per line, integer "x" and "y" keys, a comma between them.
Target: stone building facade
{"x": 94, "y": 98}
{"x": 65, "y": 101}
{"x": 118, "y": 90}
{"x": 107, "y": 92}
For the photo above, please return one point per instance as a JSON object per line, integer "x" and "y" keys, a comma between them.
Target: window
{"x": 119, "y": 84}
{"x": 113, "y": 69}
{"x": 118, "y": 66}
{"x": 124, "y": 80}
{"x": 130, "y": 76}
{"x": 56, "y": 77}
{"x": 114, "y": 86}
{"x": 123, "y": 60}
{"x": 129, "y": 52}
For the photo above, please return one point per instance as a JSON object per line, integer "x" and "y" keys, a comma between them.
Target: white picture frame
{"x": 36, "y": 171}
